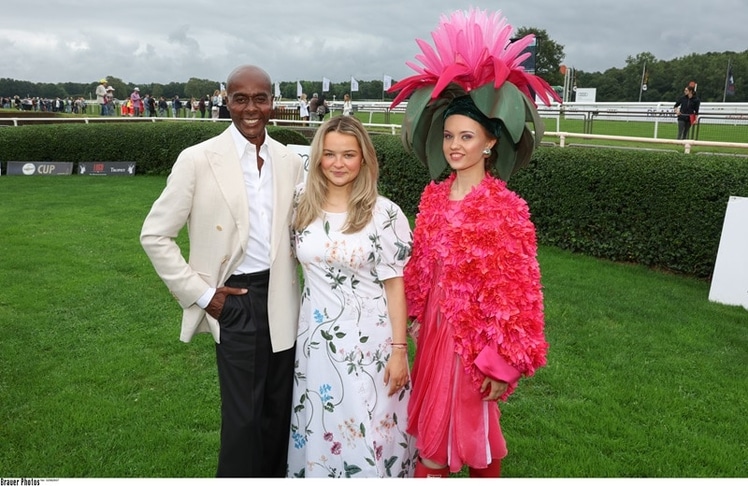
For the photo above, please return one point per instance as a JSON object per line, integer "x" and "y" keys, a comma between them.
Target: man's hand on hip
{"x": 216, "y": 303}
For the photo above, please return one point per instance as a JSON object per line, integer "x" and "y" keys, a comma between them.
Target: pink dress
{"x": 473, "y": 287}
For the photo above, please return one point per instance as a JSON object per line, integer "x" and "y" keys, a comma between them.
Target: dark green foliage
{"x": 662, "y": 210}
{"x": 402, "y": 177}
{"x": 154, "y": 146}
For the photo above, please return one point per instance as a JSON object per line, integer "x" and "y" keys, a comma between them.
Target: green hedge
{"x": 153, "y": 146}
{"x": 663, "y": 210}
{"x": 401, "y": 177}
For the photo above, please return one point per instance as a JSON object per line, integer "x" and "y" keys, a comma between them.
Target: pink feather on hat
{"x": 472, "y": 49}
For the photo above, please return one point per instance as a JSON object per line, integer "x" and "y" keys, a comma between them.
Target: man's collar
{"x": 241, "y": 143}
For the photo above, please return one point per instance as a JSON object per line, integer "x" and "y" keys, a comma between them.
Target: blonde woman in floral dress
{"x": 352, "y": 380}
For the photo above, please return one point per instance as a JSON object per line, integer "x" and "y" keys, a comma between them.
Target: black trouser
{"x": 256, "y": 385}
{"x": 684, "y": 125}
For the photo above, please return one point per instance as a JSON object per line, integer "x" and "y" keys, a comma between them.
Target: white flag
{"x": 223, "y": 87}
{"x": 298, "y": 89}
{"x": 354, "y": 84}
{"x": 387, "y": 82}
{"x": 277, "y": 90}
{"x": 325, "y": 85}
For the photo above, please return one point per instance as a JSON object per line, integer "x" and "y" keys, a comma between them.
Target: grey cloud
{"x": 174, "y": 40}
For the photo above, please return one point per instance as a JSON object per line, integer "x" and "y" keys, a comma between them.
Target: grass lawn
{"x": 646, "y": 378}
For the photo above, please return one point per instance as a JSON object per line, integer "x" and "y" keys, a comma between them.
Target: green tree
{"x": 666, "y": 79}
{"x": 548, "y": 55}
{"x": 174, "y": 89}
{"x": 200, "y": 87}
{"x": 638, "y": 69}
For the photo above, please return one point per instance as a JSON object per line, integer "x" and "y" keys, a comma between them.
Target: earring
{"x": 486, "y": 151}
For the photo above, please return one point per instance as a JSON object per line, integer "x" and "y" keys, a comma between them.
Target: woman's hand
{"x": 396, "y": 371}
{"x": 494, "y": 388}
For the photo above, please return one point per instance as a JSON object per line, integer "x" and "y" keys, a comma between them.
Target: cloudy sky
{"x": 143, "y": 41}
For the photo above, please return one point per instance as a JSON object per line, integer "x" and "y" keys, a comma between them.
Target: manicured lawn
{"x": 646, "y": 378}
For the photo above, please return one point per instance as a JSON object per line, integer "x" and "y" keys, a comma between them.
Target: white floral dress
{"x": 343, "y": 423}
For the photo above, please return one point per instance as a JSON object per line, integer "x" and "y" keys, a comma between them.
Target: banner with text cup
{"x": 40, "y": 168}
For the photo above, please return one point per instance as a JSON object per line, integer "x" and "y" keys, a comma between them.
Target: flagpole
{"x": 727, "y": 80}
{"x": 641, "y": 83}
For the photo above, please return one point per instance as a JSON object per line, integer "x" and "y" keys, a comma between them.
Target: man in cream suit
{"x": 234, "y": 193}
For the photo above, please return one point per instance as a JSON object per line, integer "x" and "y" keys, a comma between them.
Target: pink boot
{"x": 427, "y": 472}
{"x": 492, "y": 471}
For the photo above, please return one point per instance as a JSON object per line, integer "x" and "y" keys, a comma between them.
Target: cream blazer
{"x": 205, "y": 191}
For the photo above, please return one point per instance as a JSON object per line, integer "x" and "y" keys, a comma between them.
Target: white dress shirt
{"x": 259, "y": 186}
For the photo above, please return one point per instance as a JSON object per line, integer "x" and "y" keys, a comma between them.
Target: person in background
{"x": 303, "y": 108}
{"x": 110, "y": 108}
{"x": 351, "y": 378}
{"x": 163, "y": 106}
{"x": 101, "y": 96}
{"x": 146, "y": 100}
{"x": 687, "y": 110}
{"x": 322, "y": 108}
{"x": 234, "y": 194}
{"x": 223, "y": 108}
{"x": 191, "y": 108}
{"x": 347, "y": 105}
{"x": 151, "y": 105}
{"x": 176, "y": 107}
{"x": 201, "y": 106}
{"x": 136, "y": 102}
{"x": 313, "y": 104}
{"x": 215, "y": 102}
{"x": 473, "y": 283}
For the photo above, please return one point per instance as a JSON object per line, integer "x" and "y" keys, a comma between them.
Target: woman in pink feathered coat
{"x": 472, "y": 284}
{"x": 473, "y": 288}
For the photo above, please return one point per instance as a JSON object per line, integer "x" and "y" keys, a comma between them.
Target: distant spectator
{"x": 687, "y": 110}
{"x": 110, "y": 109}
{"x": 146, "y": 106}
{"x": 223, "y": 110}
{"x": 163, "y": 107}
{"x": 322, "y": 108}
{"x": 151, "y": 105}
{"x": 347, "y": 105}
{"x": 215, "y": 103}
{"x": 136, "y": 102}
{"x": 101, "y": 96}
{"x": 192, "y": 107}
{"x": 313, "y": 104}
{"x": 303, "y": 108}
{"x": 176, "y": 107}
{"x": 201, "y": 106}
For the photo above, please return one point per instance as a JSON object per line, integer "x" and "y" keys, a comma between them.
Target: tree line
{"x": 664, "y": 80}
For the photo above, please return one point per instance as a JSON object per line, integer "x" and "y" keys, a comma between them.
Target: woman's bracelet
{"x": 399, "y": 345}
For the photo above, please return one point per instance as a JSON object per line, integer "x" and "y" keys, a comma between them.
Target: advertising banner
{"x": 40, "y": 168}
{"x": 107, "y": 168}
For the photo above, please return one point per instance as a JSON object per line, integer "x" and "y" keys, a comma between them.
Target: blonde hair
{"x": 364, "y": 192}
